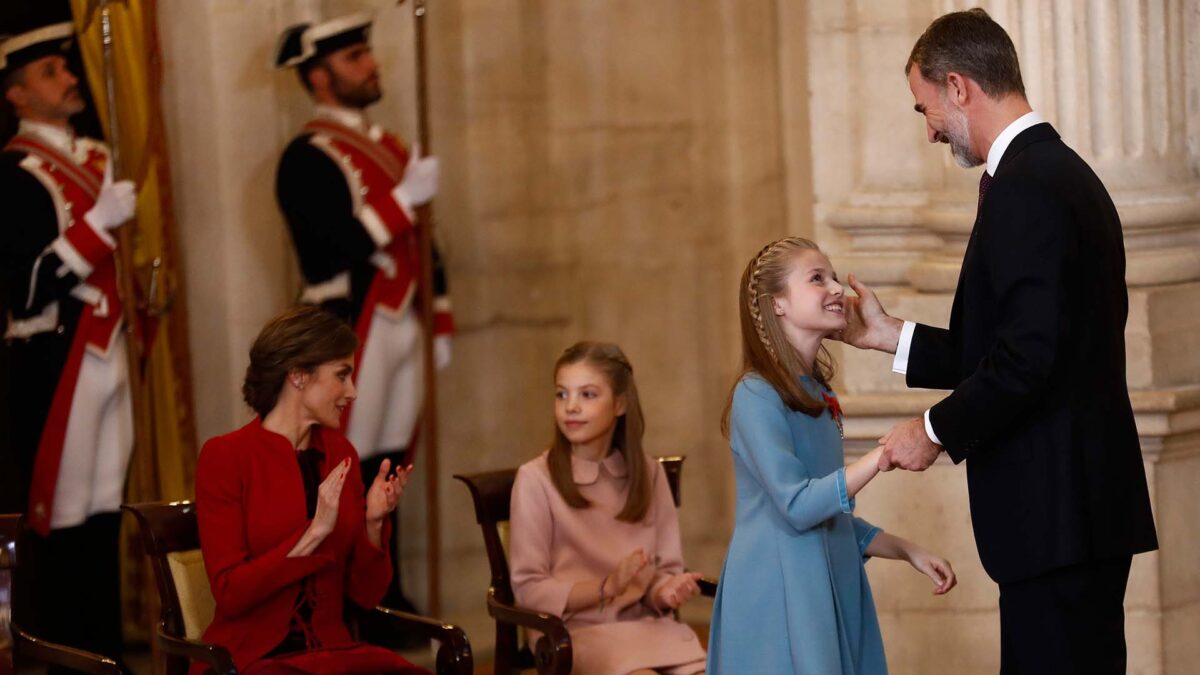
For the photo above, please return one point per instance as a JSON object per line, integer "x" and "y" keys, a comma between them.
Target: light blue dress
{"x": 793, "y": 595}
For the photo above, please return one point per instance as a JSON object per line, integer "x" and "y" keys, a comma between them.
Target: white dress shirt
{"x": 995, "y": 154}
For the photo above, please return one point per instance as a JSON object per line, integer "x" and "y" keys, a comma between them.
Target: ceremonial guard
{"x": 348, "y": 190}
{"x": 70, "y": 413}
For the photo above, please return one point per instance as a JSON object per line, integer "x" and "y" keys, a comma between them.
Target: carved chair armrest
{"x": 51, "y": 653}
{"x": 552, "y": 654}
{"x": 454, "y": 656}
{"x": 218, "y": 659}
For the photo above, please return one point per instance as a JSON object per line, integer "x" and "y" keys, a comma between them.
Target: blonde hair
{"x": 627, "y": 437}
{"x": 765, "y": 349}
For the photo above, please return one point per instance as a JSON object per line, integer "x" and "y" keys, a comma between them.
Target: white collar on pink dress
{"x": 586, "y": 471}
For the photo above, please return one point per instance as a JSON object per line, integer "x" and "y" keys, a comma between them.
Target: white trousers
{"x": 391, "y": 385}
{"x": 99, "y": 439}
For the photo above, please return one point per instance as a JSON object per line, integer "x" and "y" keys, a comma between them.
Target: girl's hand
{"x": 625, "y": 572}
{"x": 677, "y": 590}
{"x": 329, "y": 495}
{"x": 937, "y": 569}
{"x": 384, "y": 493}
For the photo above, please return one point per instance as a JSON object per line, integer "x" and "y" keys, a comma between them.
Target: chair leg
{"x": 506, "y": 646}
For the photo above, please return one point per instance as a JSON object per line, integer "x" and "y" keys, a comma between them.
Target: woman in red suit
{"x": 284, "y": 528}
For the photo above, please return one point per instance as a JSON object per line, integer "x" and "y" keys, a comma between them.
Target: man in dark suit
{"x": 1035, "y": 356}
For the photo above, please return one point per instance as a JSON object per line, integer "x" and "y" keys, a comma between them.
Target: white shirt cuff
{"x": 929, "y": 430}
{"x": 900, "y": 363}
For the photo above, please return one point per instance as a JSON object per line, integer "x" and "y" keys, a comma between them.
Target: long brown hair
{"x": 765, "y": 349}
{"x": 627, "y": 437}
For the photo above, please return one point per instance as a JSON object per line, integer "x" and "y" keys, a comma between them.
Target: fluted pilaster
{"x": 1111, "y": 75}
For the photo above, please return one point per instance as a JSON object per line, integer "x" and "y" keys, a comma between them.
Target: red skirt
{"x": 355, "y": 659}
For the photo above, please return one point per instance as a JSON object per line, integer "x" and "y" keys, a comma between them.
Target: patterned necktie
{"x": 984, "y": 182}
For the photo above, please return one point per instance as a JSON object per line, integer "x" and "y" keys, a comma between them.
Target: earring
{"x": 298, "y": 384}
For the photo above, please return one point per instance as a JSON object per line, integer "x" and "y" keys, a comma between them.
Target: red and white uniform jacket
{"x": 60, "y": 294}
{"x": 358, "y": 248}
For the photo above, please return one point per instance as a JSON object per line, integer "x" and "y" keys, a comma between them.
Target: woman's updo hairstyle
{"x": 301, "y": 338}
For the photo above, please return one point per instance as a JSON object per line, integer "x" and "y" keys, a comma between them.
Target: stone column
{"x": 1119, "y": 80}
{"x": 1112, "y": 77}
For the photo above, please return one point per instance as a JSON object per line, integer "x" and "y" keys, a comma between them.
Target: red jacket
{"x": 251, "y": 511}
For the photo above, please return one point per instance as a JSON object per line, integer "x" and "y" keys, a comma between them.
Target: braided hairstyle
{"x": 627, "y": 437}
{"x": 765, "y": 349}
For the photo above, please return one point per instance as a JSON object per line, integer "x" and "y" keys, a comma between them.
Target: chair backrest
{"x": 171, "y": 538}
{"x": 10, "y": 528}
{"x": 492, "y": 492}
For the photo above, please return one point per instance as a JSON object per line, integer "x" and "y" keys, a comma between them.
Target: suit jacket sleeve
{"x": 1024, "y": 253}
{"x": 239, "y": 580}
{"x": 933, "y": 359}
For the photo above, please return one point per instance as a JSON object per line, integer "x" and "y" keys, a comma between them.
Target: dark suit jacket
{"x": 1035, "y": 354}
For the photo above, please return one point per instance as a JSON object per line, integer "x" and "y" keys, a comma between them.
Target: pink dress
{"x": 554, "y": 546}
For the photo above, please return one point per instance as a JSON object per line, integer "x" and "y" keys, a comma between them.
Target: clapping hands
{"x": 384, "y": 493}
{"x": 626, "y": 571}
{"x": 329, "y": 496}
{"x": 677, "y": 590}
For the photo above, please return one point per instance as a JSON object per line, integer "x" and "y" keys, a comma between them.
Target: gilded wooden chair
{"x": 491, "y": 492}
{"x": 18, "y": 648}
{"x": 171, "y": 538}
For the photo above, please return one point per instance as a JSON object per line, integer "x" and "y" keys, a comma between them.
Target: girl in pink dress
{"x": 594, "y": 533}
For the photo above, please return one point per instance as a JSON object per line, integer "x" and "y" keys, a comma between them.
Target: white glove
{"x": 442, "y": 351}
{"x": 420, "y": 182}
{"x": 116, "y": 204}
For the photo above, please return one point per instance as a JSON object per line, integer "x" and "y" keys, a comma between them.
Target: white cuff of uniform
{"x": 929, "y": 430}
{"x": 900, "y": 363}
{"x": 70, "y": 257}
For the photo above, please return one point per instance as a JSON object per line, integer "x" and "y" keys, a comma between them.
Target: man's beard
{"x": 958, "y": 135}
{"x": 357, "y": 96}
{"x": 73, "y": 103}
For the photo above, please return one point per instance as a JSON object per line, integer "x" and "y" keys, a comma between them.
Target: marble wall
{"x": 608, "y": 168}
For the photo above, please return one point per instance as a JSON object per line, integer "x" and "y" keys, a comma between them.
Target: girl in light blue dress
{"x": 793, "y": 595}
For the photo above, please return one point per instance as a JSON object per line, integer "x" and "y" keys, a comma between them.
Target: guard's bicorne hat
{"x": 304, "y": 42}
{"x": 29, "y": 46}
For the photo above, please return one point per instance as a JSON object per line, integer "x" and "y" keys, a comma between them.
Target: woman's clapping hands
{"x": 384, "y": 493}
{"x": 329, "y": 495}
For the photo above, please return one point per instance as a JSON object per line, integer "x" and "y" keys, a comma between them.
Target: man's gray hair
{"x": 969, "y": 43}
